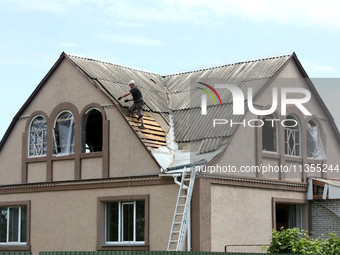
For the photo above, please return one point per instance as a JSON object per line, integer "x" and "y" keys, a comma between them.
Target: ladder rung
{"x": 177, "y": 223}
{"x": 187, "y": 179}
{"x": 182, "y": 196}
{"x": 174, "y": 241}
{"x": 179, "y": 213}
{"x": 182, "y": 205}
{"x": 176, "y": 232}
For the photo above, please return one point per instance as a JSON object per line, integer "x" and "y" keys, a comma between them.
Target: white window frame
{"x": 291, "y": 132}
{"x": 19, "y": 227}
{"x": 121, "y": 224}
{"x": 29, "y": 139}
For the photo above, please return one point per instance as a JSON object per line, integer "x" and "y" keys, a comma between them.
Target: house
{"x": 78, "y": 174}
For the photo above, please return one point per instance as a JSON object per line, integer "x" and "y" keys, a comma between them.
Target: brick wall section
{"x": 323, "y": 220}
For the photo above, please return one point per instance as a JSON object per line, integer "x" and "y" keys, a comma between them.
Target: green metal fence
{"x": 150, "y": 253}
{"x": 15, "y": 253}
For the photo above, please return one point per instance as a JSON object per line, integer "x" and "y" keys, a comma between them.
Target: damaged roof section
{"x": 177, "y": 133}
{"x": 114, "y": 79}
{"x": 192, "y": 131}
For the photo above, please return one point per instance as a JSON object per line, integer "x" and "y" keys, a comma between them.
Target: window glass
{"x": 140, "y": 220}
{"x": 128, "y": 220}
{"x": 37, "y": 137}
{"x": 112, "y": 222}
{"x": 23, "y": 230}
{"x": 63, "y": 134}
{"x": 3, "y": 225}
{"x": 292, "y": 136}
{"x": 125, "y": 222}
{"x": 269, "y": 134}
{"x": 13, "y": 224}
{"x": 288, "y": 216}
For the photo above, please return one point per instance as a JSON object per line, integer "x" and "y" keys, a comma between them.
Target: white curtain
{"x": 66, "y": 132}
{"x": 315, "y": 147}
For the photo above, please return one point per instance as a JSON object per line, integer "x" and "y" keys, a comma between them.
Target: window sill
{"x": 96, "y": 154}
{"x": 63, "y": 156}
{"x": 13, "y": 247}
{"x": 270, "y": 154}
{"x": 293, "y": 158}
{"x": 122, "y": 247}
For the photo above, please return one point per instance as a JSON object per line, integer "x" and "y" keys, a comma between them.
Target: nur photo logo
{"x": 238, "y": 101}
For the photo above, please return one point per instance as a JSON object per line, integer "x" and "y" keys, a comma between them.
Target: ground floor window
{"x": 125, "y": 222}
{"x": 13, "y": 225}
{"x": 288, "y": 216}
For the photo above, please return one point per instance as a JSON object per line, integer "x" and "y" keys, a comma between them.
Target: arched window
{"x": 63, "y": 134}
{"x": 292, "y": 136}
{"x": 269, "y": 134}
{"x": 37, "y": 137}
{"x": 315, "y": 147}
{"x": 92, "y": 131}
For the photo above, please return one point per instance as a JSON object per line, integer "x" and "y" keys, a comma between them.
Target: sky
{"x": 165, "y": 36}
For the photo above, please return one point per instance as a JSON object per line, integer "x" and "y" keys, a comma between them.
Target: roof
{"x": 172, "y": 103}
{"x": 187, "y": 123}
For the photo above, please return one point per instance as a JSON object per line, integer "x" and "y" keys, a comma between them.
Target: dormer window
{"x": 37, "y": 137}
{"x": 64, "y": 134}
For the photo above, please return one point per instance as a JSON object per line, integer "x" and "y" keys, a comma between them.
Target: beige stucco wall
{"x": 36, "y": 172}
{"x": 67, "y": 84}
{"x": 242, "y": 150}
{"x": 67, "y": 220}
{"x": 128, "y": 156}
{"x": 63, "y": 170}
{"x": 10, "y": 156}
{"x": 91, "y": 168}
{"x": 241, "y": 215}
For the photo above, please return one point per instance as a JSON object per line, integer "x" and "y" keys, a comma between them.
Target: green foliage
{"x": 295, "y": 241}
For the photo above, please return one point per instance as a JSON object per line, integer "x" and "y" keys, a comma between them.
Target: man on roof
{"x": 137, "y": 101}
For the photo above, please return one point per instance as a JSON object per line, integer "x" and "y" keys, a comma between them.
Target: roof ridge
{"x": 111, "y": 63}
{"x": 178, "y": 72}
{"x": 227, "y": 64}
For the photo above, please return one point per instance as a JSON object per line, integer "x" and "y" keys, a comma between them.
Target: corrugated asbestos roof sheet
{"x": 210, "y": 144}
{"x": 261, "y": 68}
{"x": 115, "y": 79}
{"x": 192, "y": 98}
{"x": 156, "y": 100}
{"x": 191, "y": 125}
{"x": 185, "y": 100}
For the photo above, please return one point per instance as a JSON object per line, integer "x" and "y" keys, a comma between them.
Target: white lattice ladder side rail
{"x": 182, "y": 211}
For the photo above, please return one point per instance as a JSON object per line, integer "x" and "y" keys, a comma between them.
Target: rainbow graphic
{"x": 209, "y": 93}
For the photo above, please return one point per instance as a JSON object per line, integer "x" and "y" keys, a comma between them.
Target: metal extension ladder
{"x": 182, "y": 211}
